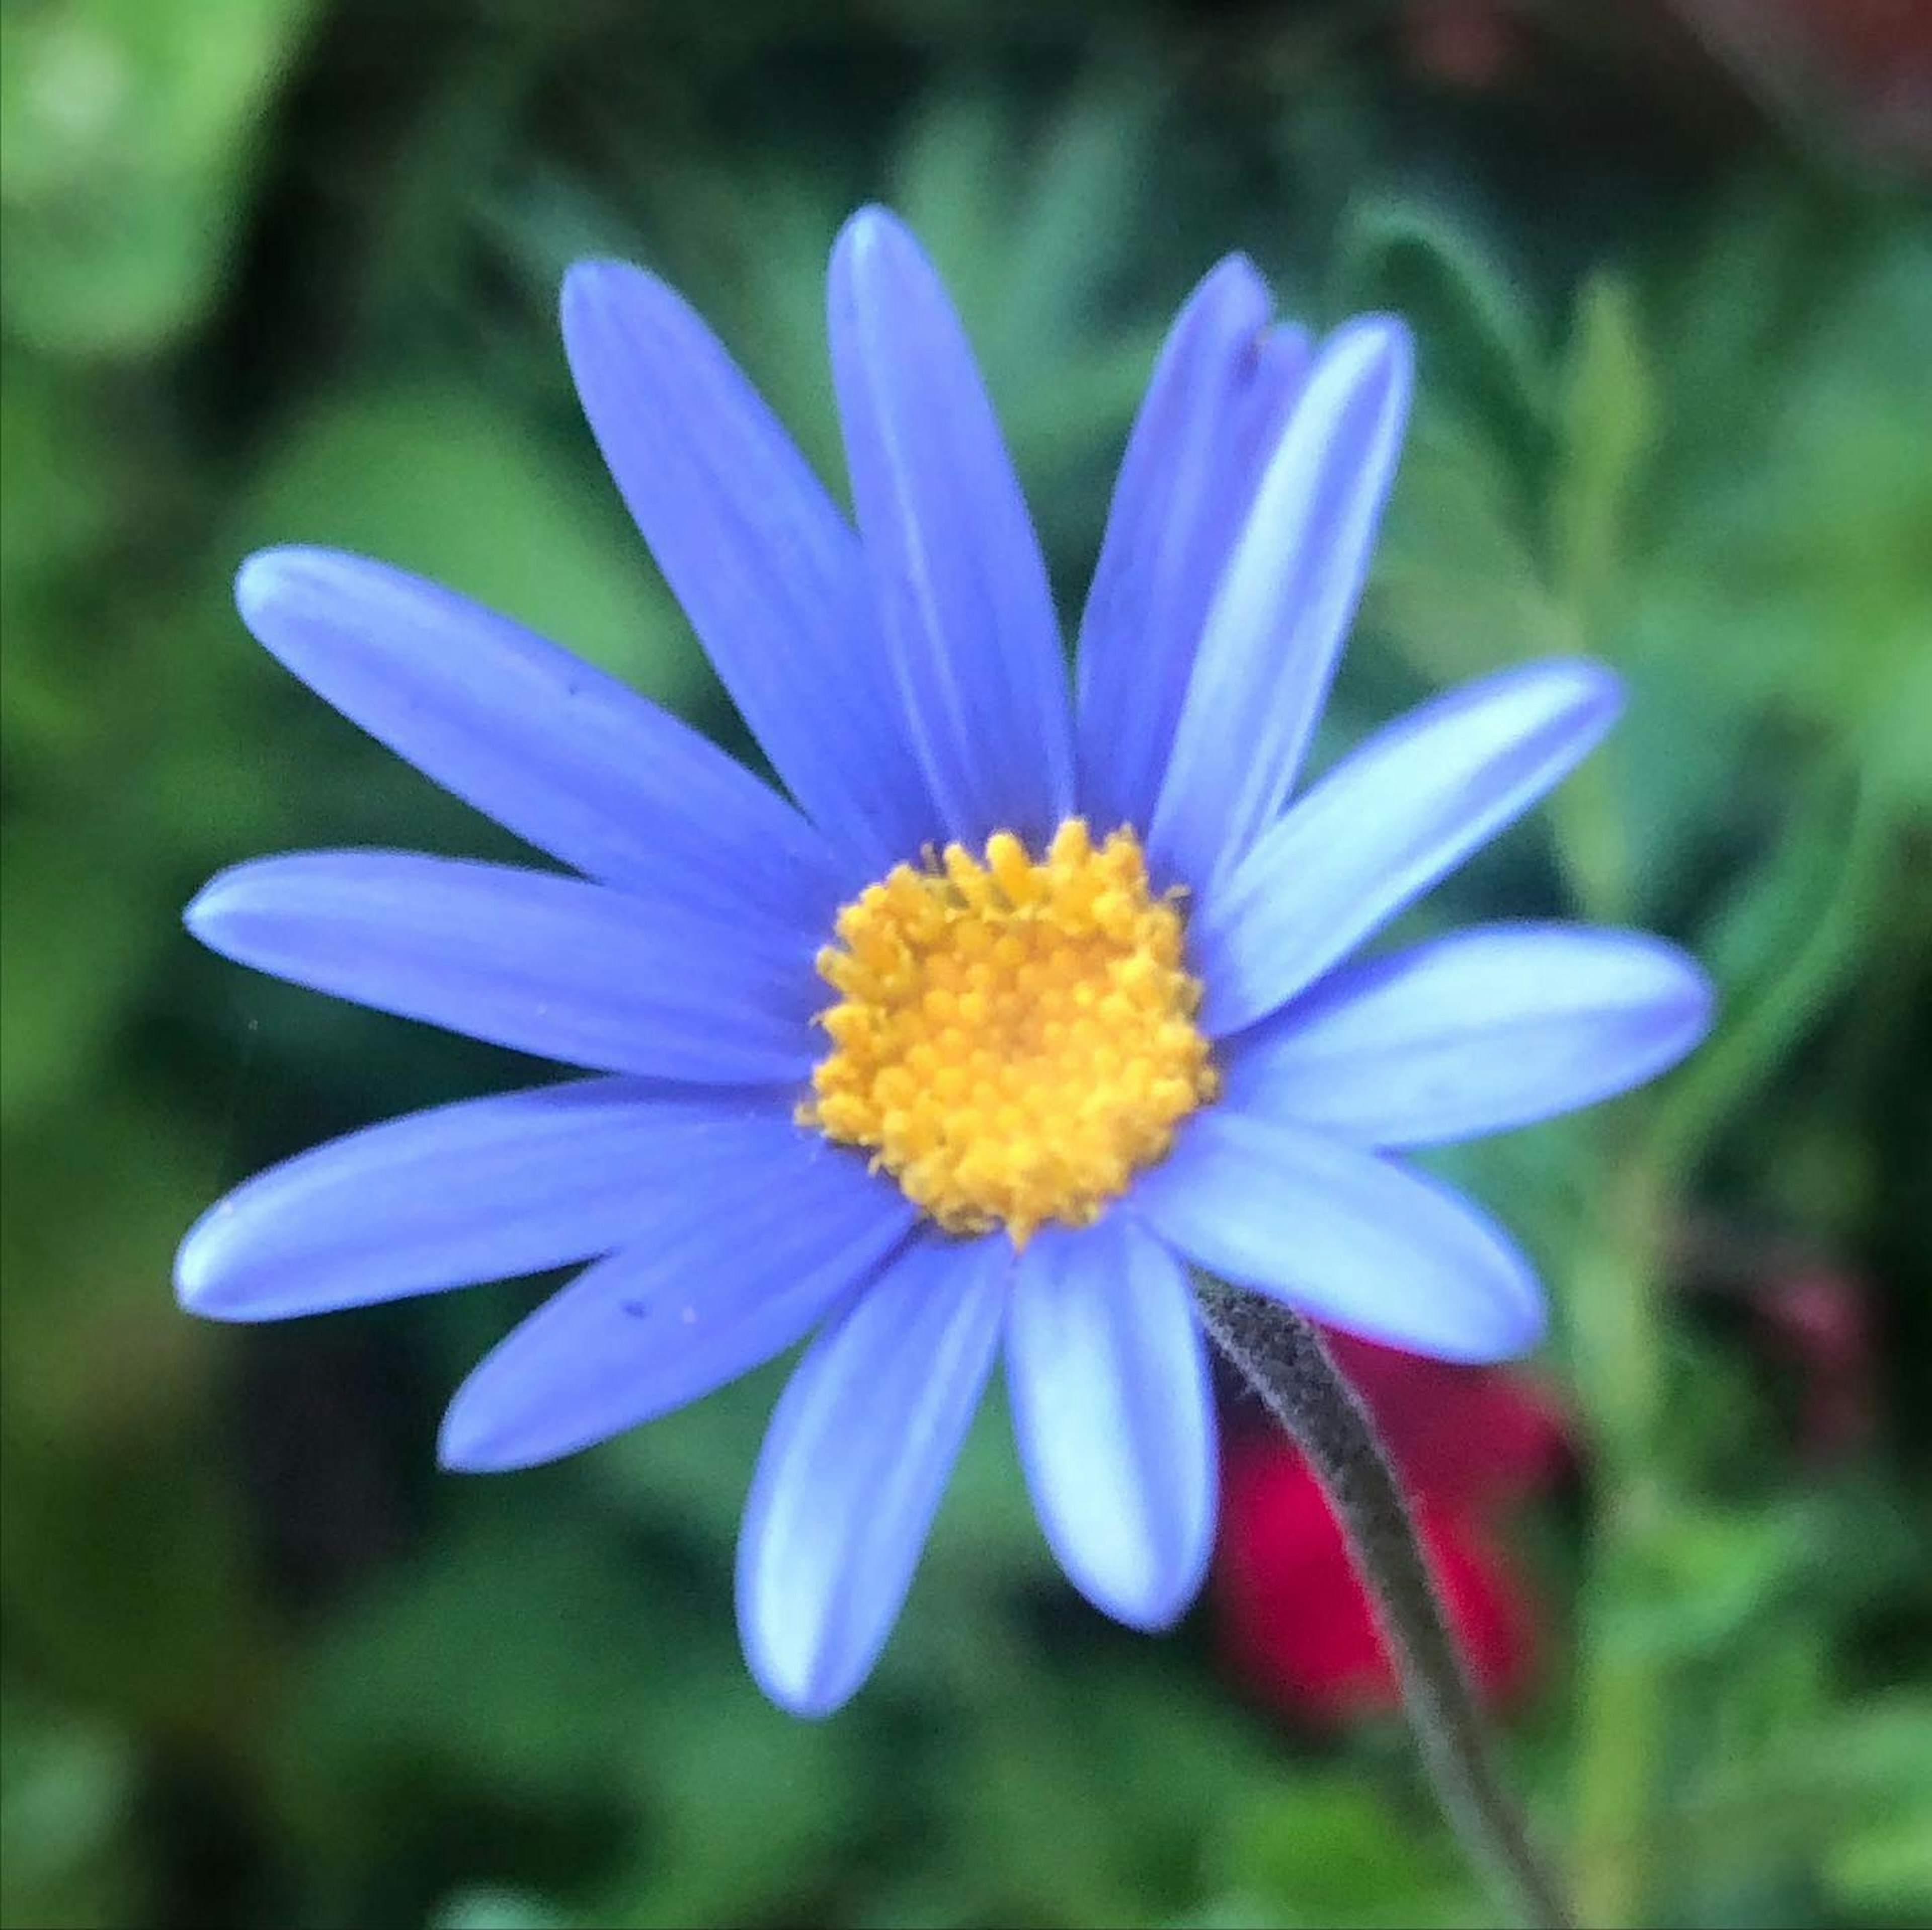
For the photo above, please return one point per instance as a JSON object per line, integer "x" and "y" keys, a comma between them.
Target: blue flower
{"x": 1027, "y": 1002}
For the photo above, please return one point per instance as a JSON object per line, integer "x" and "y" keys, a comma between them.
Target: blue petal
{"x": 1474, "y": 1033}
{"x": 546, "y": 743}
{"x": 1384, "y": 825}
{"x": 481, "y": 1191}
{"x": 969, "y": 617}
{"x": 1284, "y": 605}
{"x": 570, "y": 971}
{"x": 858, "y": 1452}
{"x": 740, "y": 1255}
{"x": 1219, "y": 393}
{"x": 1343, "y": 1237}
{"x": 768, "y": 571}
{"x": 1112, "y": 1411}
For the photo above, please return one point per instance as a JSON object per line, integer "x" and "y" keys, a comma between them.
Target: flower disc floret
{"x": 1014, "y": 1037}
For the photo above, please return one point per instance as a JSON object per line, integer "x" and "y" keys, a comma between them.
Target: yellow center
{"x": 1014, "y": 1038}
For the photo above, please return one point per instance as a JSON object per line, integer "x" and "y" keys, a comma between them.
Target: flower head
{"x": 1025, "y": 1000}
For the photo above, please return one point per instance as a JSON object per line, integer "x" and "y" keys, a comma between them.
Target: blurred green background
{"x": 285, "y": 269}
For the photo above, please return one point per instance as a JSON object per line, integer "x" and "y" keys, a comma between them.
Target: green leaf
{"x": 455, "y": 487}
{"x": 1083, "y": 1790}
{"x": 717, "y": 1753}
{"x": 1793, "y": 543}
{"x": 519, "y": 1655}
{"x": 82, "y": 935}
{"x": 130, "y": 131}
{"x": 1325, "y": 1849}
{"x": 1456, "y": 583}
{"x": 1608, "y": 421}
{"x": 1883, "y": 1867}
{"x": 690, "y": 1470}
{"x": 1433, "y": 263}
{"x": 112, "y": 1470}
{"x": 1753, "y": 932}
{"x": 1711, "y": 1573}
{"x": 495, "y": 1910}
{"x": 67, "y": 1790}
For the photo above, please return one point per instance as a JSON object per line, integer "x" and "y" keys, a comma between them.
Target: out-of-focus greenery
{"x": 283, "y": 269}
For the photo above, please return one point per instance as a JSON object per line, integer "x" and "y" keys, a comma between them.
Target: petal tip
{"x": 486, "y": 1430}
{"x": 1524, "y": 1335}
{"x": 306, "y": 604}
{"x": 609, "y": 311}
{"x": 201, "y": 914}
{"x": 811, "y": 1697}
{"x": 207, "y": 916}
{"x": 1697, "y": 1001}
{"x": 1702, "y": 1000}
{"x": 466, "y": 1444}
{"x": 803, "y": 1671}
{"x": 1598, "y": 688}
{"x": 875, "y": 253}
{"x": 1155, "y": 1606}
{"x": 1516, "y": 1327}
{"x": 212, "y": 1278}
{"x": 1235, "y": 278}
{"x": 870, "y": 228}
{"x": 1377, "y": 353}
{"x": 590, "y": 280}
{"x": 1576, "y": 691}
{"x": 197, "y": 1274}
{"x": 1505, "y": 1334}
{"x": 1389, "y": 336}
{"x": 262, "y": 582}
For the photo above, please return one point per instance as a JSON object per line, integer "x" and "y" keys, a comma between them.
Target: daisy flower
{"x": 1026, "y": 1000}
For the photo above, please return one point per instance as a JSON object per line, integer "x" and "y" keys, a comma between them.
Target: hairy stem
{"x": 1283, "y": 1358}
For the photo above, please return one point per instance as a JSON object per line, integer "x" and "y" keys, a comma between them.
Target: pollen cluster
{"x": 1014, "y": 1037}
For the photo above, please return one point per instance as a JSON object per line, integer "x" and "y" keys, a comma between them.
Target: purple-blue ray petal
{"x": 1220, "y": 391}
{"x": 1484, "y": 1030}
{"x": 546, "y": 743}
{"x": 961, "y": 586}
{"x": 1342, "y": 1235}
{"x": 859, "y": 1450}
{"x": 484, "y": 1190}
{"x": 767, "y": 569}
{"x": 1284, "y": 605}
{"x": 1108, "y": 1373}
{"x": 1389, "y": 821}
{"x": 737, "y": 1258}
{"x": 570, "y": 971}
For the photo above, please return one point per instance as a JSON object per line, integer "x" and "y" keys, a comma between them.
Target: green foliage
{"x": 129, "y": 136}
{"x": 453, "y": 485}
{"x": 283, "y": 270}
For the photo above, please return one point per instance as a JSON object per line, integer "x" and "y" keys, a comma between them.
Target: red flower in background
{"x": 1295, "y": 1620}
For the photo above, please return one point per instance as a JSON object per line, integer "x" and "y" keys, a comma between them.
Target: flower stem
{"x": 1281, "y": 1355}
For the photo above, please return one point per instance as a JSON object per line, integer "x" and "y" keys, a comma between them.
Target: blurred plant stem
{"x": 1596, "y": 856}
{"x": 1282, "y": 1357}
{"x": 1617, "y": 1339}
{"x": 1618, "y": 1335}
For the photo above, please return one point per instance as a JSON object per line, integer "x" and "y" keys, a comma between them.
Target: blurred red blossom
{"x": 1818, "y": 1319}
{"x": 1854, "y": 74}
{"x": 1294, "y": 1619}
